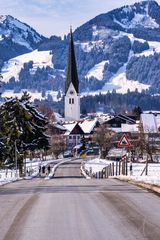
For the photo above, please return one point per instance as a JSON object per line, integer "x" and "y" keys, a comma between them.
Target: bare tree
{"x": 104, "y": 138}
{"x": 47, "y": 112}
{"x": 57, "y": 144}
{"x": 148, "y": 142}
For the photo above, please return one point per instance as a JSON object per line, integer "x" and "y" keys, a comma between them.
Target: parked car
{"x": 68, "y": 154}
{"x": 90, "y": 152}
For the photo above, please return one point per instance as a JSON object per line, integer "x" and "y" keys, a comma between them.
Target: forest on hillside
{"x": 111, "y": 102}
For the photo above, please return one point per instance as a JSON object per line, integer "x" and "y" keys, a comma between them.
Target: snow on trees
{"x": 22, "y": 129}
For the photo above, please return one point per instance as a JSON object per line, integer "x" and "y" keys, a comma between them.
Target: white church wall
{"x": 72, "y": 104}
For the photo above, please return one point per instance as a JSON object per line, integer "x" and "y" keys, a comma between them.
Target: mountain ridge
{"x": 107, "y": 47}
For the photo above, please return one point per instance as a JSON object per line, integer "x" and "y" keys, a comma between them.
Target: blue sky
{"x": 54, "y": 17}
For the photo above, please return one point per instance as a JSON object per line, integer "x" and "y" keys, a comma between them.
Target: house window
{"x": 72, "y": 100}
{"x": 114, "y": 125}
{"x": 70, "y": 137}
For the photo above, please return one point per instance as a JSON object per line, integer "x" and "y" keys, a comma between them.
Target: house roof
{"x": 129, "y": 119}
{"x": 70, "y": 126}
{"x": 73, "y": 128}
{"x": 151, "y": 122}
{"x": 129, "y": 127}
{"x": 122, "y": 118}
{"x": 88, "y": 125}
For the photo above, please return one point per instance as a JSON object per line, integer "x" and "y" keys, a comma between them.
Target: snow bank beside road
{"x": 7, "y": 176}
{"x": 32, "y": 167}
{"x": 95, "y": 165}
{"x": 153, "y": 177}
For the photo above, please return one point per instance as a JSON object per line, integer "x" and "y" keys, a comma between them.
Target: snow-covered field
{"x": 153, "y": 177}
{"x": 97, "y": 70}
{"x": 13, "y": 67}
{"x": 34, "y": 95}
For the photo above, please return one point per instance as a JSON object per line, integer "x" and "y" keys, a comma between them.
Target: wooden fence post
{"x": 110, "y": 172}
{"x": 107, "y": 171}
{"x": 116, "y": 168}
{"x": 119, "y": 167}
{"x": 113, "y": 169}
{"x": 126, "y": 166}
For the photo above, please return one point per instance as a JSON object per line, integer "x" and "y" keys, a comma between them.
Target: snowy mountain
{"x": 18, "y": 32}
{"x": 16, "y": 37}
{"x": 115, "y": 50}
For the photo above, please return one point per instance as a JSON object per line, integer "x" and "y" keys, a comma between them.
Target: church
{"x": 72, "y": 95}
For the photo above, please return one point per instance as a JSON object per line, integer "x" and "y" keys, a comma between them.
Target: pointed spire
{"x": 72, "y": 76}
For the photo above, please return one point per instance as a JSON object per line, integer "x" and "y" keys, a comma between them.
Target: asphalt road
{"x": 70, "y": 207}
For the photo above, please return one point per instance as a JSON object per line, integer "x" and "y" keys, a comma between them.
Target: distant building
{"x": 89, "y": 126}
{"x": 72, "y": 96}
{"x": 150, "y": 122}
{"x": 73, "y": 134}
{"x": 123, "y": 123}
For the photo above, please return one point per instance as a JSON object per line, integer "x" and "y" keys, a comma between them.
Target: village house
{"x": 123, "y": 124}
{"x": 73, "y": 134}
{"x": 150, "y": 126}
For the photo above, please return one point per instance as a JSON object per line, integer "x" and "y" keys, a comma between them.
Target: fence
{"x": 8, "y": 174}
{"x": 122, "y": 167}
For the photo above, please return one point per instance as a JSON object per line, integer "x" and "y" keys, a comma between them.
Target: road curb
{"x": 51, "y": 175}
{"x": 151, "y": 187}
{"x": 84, "y": 173}
{"x": 147, "y": 186}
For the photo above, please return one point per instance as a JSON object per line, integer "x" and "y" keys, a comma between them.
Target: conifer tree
{"x": 22, "y": 129}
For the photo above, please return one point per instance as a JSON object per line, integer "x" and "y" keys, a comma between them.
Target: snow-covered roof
{"x": 88, "y": 125}
{"x": 158, "y": 121}
{"x": 69, "y": 127}
{"x": 129, "y": 127}
{"x": 58, "y": 117}
{"x": 149, "y": 122}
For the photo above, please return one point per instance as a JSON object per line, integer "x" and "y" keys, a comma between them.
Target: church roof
{"x": 72, "y": 76}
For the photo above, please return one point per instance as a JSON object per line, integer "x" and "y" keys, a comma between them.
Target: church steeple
{"x": 72, "y": 76}
{"x": 72, "y": 96}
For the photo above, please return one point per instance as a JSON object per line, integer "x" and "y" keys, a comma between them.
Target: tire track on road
{"x": 14, "y": 232}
